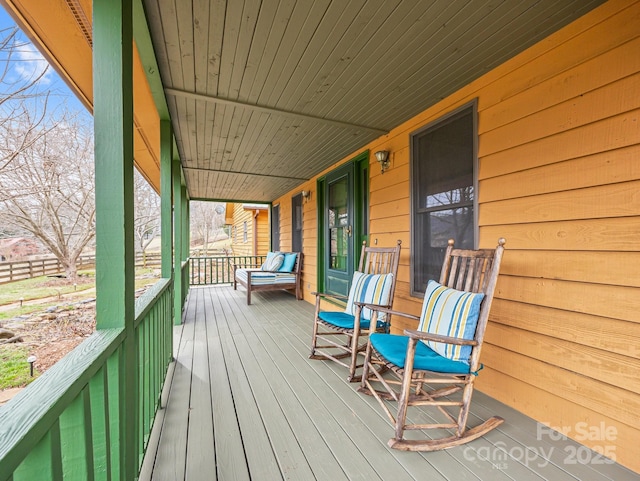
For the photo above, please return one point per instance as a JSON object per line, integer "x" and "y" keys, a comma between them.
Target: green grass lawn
{"x": 43, "y": 286}
{"x": 14, "y": 368}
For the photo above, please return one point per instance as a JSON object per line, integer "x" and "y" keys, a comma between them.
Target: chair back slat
{"x": 474, "y": 271}
{"x": 379, "y": 260}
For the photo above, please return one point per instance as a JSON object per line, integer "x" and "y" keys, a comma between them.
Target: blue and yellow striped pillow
{"x": 370, "y": 289}
{"x": 452, "y": 313}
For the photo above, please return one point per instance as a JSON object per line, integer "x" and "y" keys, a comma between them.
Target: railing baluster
{"x": 218, "y": 270}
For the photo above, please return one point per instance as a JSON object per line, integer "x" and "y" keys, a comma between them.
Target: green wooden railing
{"x": 219, "y": 269}
{"x": 68, "y": 423}
{"x": 185, "y": 280}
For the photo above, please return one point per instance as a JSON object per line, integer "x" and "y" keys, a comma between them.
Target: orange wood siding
{"x": 238, "y": 245}
{"x": 559, "y": 178}
{"x": 263, "y": 239}
{"x": 258, "y": 231}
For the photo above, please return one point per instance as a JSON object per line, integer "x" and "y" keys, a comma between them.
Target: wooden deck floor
{"x": 246, "y": 403}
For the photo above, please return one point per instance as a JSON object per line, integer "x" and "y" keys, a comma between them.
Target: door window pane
{"x": 338, "y": 224}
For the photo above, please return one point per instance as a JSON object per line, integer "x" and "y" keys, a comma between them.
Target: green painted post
{"x": 177, "y": 247}
{"x": 113, "y": 124}
{"x": 166, "y": 234}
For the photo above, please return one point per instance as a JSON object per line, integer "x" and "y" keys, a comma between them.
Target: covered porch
{"x": 261, "y": 101}
{"x": 245, "y": 402}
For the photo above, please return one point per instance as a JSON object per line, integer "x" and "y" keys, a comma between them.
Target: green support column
{"x": 166, "y": 234}
{"x": 178, "y": 238}
{"x": 113, "y": 121}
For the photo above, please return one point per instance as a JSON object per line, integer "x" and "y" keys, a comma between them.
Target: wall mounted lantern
{"x": 382, "y": 156}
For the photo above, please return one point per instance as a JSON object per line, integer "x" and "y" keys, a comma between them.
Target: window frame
{"x": 413, "y": 210}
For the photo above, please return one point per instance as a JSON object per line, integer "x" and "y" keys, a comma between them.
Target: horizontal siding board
{"x": 604, "y": 333}
{"x": 618, "y": 403}
{"x": 621, "y": 234}
{"x": 607, "y": 367}
{"x": 619, "y": 96}
{"x": 391, "y": 209}
{"x": 603, "y": 168}
{"x": 599, "y": 300}
{"x": 609, "y": 201}
{"x": 616, "y": 64}
{"x": 608, "y": 134}
{"x": 613, "y": 268}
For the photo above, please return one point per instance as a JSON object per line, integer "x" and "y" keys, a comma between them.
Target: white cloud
{"x": 29, "y": 64}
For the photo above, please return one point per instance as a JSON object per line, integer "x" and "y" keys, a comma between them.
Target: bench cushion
{"x": 261, "y": 278}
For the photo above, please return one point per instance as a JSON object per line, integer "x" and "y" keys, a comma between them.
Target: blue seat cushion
{"x": 394, "y": 349}
{"x": 344, "y": 320}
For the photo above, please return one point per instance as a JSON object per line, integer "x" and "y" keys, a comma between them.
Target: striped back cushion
{"x": 370, "y": 289}
{"x": 453, "y": 313}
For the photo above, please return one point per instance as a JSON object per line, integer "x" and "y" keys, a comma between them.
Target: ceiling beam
{"x": 272, "y": 110}
{"x": 218, "y": 171}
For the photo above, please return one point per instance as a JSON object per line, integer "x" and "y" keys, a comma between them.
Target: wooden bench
{"x": 254, "y": 279}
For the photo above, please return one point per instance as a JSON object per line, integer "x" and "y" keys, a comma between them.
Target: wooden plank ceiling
{"x": 265, "y": 94}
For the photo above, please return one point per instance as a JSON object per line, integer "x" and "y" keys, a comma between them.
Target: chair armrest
{"x": 332, "y": 296}
{"x": 386, "y": 310}
{"x": 427, "y": 336}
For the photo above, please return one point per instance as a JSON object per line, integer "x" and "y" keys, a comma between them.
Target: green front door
{"x": 342, "y": 223}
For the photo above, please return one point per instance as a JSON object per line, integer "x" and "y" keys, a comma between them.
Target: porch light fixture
{"x": 382, "y": 156}
{"x": 306, "y": 195}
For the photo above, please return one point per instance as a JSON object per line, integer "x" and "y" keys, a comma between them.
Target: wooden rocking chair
{"x": 373, "y": 283}
{"x": 441, "y": 358}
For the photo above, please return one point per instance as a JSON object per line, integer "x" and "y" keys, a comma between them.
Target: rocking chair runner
{"x": 371, "y": 284}
{"x": 444, "y": 351}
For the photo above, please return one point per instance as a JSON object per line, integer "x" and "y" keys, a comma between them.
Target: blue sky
{"x": 29, "y": 63}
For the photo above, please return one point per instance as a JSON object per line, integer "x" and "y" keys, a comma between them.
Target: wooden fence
{"x": 16, "y": 271}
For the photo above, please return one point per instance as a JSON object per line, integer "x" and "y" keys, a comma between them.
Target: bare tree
{"x": 23, "y": 104}
{"x": 206, "y": 220}
{"x": 146, "y": 220}
{"x": 48, "y": 191}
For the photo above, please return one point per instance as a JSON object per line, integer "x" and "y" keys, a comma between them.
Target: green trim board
{"x": 148, "y": 58}
{"x": 166, "y": 217}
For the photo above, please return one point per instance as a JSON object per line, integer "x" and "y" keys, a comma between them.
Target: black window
{"x": 443, "y": 192}
{"x": 275, "y": 228}
{"x": 296, "y": 223}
